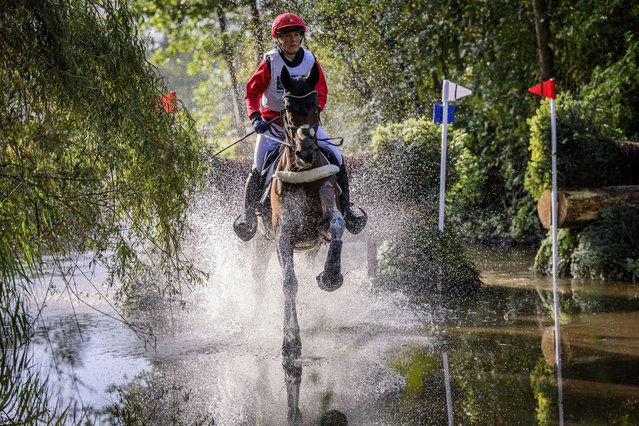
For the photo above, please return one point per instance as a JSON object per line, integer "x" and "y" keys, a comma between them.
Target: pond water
{"x": 367, "y": 357}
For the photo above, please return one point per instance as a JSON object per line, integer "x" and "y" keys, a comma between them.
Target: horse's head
{"x": 301, "y": 115}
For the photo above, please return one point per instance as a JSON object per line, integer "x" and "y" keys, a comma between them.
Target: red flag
{"x": 545, "y": 89}
{"x": 169, "y": 102}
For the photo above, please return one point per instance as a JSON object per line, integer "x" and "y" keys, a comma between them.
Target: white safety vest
{"x": 272, "y": 97}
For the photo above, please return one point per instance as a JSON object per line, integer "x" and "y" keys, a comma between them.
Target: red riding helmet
{"x": 287, "y": 20}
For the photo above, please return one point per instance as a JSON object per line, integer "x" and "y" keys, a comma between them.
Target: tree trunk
{"x": 360, "y": 84}
{"x": 228, "y": 57}
{"x": 256, "y": 23}
{"x": 357, "y": 78}
{"x": 545, "y": 55}
{"x": 577, "y": 207}
{"x": 629, "y": 163}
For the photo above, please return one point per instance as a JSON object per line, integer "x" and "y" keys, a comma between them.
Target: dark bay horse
{"x": 304, "y": 200}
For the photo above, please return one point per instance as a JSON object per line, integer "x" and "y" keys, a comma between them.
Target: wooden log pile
{"x": 577, "y": 207}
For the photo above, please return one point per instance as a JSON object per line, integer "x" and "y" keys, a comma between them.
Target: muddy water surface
{"x": 368, "y": 357}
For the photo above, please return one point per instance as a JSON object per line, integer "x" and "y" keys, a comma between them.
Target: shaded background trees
{"x": 385, "y": 61}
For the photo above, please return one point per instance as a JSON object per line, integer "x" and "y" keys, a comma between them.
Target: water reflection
{"x": 84, "y": 354}
{"x": 293, "y": 378}
{"x": 369, "y": 359}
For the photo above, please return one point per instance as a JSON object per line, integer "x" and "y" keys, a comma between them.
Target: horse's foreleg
{"x": 331, "y": 278}
{"x": 292, "y": 344}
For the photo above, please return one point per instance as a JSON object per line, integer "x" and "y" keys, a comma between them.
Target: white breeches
{"x": 268, "y": 141}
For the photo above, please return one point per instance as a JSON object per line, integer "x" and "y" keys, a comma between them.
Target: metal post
{"x": 555, "y": 258}
{"x": 449, "y": 397}
{"x": 442, "y": 175}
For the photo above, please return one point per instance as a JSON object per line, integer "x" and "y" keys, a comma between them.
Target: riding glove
{"x": 259, "y": 124}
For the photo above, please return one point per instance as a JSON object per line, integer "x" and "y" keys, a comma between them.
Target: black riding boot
{"x": 355, "y": 221}
{"x": 245, "y": 225}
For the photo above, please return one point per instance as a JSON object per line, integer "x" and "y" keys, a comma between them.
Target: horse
{"x": 305, "y": 211}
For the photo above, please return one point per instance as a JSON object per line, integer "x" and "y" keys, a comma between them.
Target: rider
{"x": 264, "y": 94}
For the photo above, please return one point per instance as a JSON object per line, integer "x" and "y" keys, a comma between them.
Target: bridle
{"x": 290, "y": 130}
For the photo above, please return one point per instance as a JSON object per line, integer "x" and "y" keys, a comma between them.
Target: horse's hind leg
{"x": 292, "y": 344}
{"x": 331, "y": 278}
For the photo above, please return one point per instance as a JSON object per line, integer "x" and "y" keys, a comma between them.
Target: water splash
{"x": 236, "y": 305}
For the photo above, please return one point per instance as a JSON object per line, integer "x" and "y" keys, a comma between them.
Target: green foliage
{"x": 595, "y": 45}
{"x": 543, "y": 382}
{"x": 419, "y": 258}
{"x": 406, "y": 162}
{"x": 526, "y": 223}
{"x": 151, "y": 398}
{"x": 614, "y": 89}
{"x": 587, "y": 151}
{"x": 567, "y": 242}
{"x": 212, "y": 43}
{"x": 415, "y": 364}
{"x": 89, "y": 161}
{"x": 608, "y": 249}
{"x": 403, "y": 177}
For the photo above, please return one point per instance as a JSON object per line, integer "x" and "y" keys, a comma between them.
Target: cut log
{"x": 577, "y": 207}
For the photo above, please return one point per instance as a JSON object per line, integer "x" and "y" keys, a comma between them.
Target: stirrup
{"x": 243, "y": 229}
{"x": 355, "y": 223}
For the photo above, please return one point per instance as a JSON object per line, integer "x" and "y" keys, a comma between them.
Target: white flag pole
{"x": 449, "y": 397}
{"x": 555, "y": 256}
{"x": 553, "y": 132}
{"x": 442, "y": 175}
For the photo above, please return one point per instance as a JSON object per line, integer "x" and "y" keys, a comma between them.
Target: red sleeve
{"x": 255, "y": 88}
{"x": 322, "y": 88}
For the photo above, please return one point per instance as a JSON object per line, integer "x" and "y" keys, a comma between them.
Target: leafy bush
{"x": 587, "y": 152}
{"x": 420, "y": 257}
{"x": 608, "y": 249}
{"x": 567, "y": 241}
{"x": 402, "y": 183}
{"x": 405, "y": 166}
{"x": 542, "y": 381}
{"x": 615, "y": 89}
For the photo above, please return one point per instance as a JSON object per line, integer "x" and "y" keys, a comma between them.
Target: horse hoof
{"x": 295, "y": 417}
{"x": 330, "y": 282}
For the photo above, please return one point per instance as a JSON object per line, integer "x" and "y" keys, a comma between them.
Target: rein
{"x": 240, "y": 140}
{"x": 288, "y": 95}
{"x": 329, "y": 141}
{"x": 287, "y": 126}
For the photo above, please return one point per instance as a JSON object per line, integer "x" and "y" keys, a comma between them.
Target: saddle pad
{"x": 307, "y": 175}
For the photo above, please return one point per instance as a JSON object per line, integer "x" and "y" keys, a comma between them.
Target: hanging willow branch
{"x": 89, "y": 162}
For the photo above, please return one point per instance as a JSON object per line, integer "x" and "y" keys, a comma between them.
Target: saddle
{"x": 270, "y": 164}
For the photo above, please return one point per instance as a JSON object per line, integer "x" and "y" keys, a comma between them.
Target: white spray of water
{"x": 236, "y": 306}
{"x": 225, "y": 348}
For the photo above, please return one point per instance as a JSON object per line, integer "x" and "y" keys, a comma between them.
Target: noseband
{"x": 305, "y": 130}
